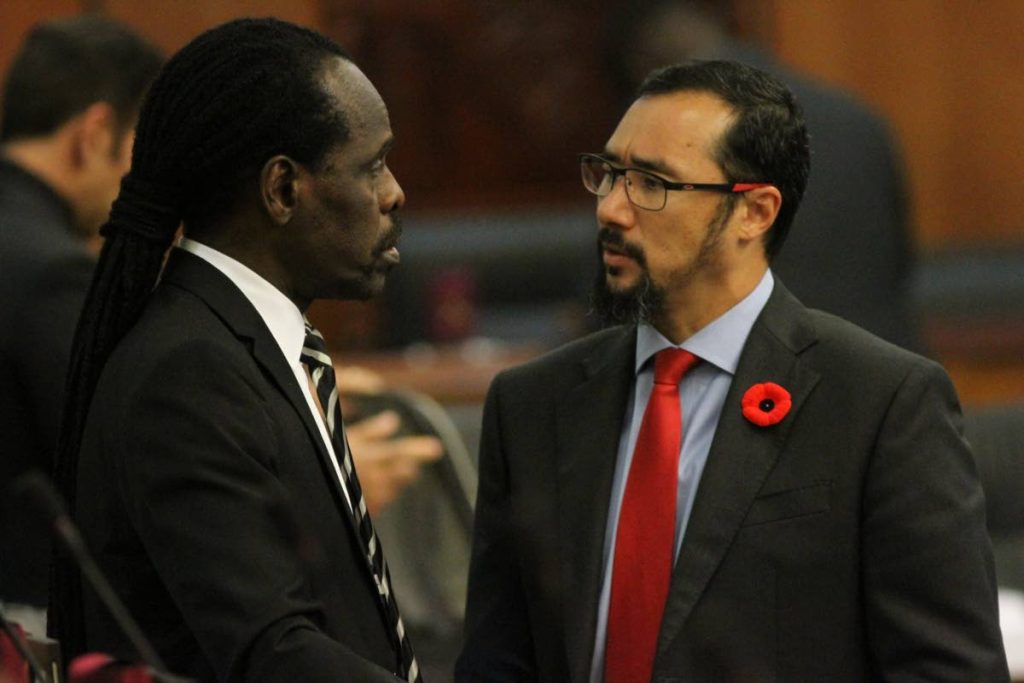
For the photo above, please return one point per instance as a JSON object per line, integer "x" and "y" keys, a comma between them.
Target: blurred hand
{"x": 387, "y": 464}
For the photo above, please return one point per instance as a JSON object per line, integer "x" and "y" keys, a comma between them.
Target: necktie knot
{"x": 671, "y": 364}
{"x": 314, "y": 350}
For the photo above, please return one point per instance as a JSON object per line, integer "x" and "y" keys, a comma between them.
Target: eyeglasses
{"x": 644, "y": 189}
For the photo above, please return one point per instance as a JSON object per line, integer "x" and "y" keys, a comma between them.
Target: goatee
{"x": 642, "y": 302}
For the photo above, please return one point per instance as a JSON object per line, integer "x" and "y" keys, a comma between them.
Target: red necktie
{"x": 644, "y": 540}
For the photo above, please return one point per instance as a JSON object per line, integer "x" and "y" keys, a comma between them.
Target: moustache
{"x": 613, "y": 240}
{"x": 391, "y": 236}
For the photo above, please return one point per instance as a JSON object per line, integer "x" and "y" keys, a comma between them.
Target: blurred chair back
{"x": 426, "y": 533}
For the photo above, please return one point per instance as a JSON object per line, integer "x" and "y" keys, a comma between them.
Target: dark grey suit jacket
{"x": 208, "y": 496}
{"x": 45, "y": 271}
{"x": 846, "y": 543}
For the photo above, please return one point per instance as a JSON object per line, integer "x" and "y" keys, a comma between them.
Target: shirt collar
{"x": 719, "y": 343}
{"x": 282, "y": 317}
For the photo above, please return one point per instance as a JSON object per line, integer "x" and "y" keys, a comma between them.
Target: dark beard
{"x": 642, "y": 302}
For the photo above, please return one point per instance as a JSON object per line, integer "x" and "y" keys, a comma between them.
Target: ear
{"x": 760, "y": 207}
{"x": 93, "y": 134}
{"x": 279, "y": 188}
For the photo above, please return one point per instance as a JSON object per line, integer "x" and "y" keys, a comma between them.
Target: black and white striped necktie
{"x": 315, "y": 357}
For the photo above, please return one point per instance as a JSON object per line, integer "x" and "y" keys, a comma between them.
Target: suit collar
{"x": 589, "y": 422}
{"x": 222, "y": 296}
{"x": 742, "y": 455}
{"x": 281, "y": 316}
{"x": 226, "y": 300}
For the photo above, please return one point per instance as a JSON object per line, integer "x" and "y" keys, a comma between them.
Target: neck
{"x": 239, "y": 235}
{"x": 690, "y": 309}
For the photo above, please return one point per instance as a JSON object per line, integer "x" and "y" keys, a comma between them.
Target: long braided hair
{"x": 228, "y": 101}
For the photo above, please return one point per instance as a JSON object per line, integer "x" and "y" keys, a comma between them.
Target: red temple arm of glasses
{"x": 743, "y": 187}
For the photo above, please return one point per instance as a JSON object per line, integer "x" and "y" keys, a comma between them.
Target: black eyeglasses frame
{"x": 617, "y": 171}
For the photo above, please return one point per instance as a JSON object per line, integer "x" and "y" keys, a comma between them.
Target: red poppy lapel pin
{"x": 766, "y": 404}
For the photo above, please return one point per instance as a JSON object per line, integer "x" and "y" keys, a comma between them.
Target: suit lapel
{"x": 742, "y": 454}
{"x": 589, "y": 422}
{"x": 225, "y": 299}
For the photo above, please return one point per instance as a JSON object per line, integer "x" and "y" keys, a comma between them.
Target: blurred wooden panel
{"x": 490, "y": 100}
{"x": 168, "y": 23}
{"x": 945, "y": 74}
{"x": 18, "y": 16}
{"x": 172, "y": 23}
{"x": 980, "y": 382}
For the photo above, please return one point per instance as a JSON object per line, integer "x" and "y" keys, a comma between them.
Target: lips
{"x": 614, "y": 257}
{"x": 387, "y": 250}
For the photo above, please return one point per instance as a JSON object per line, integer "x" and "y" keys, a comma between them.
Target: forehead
{"x": 679, "y": 131}
{"x": 354, "y": 94}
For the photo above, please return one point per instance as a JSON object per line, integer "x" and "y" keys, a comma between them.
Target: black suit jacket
{"x": 209, "y": 499}
{"x": 846, "y": 543}
{"x": 45, "y": 271}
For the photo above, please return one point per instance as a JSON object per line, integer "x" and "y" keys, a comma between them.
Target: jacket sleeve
{"x": 498, "y": 643}
{"x": 929, "y": 581}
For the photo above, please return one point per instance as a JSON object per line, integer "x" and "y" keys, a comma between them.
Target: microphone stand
{"x": 36, "y": 487}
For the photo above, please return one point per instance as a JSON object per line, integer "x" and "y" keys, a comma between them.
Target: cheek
{"x": 672, "y": 247}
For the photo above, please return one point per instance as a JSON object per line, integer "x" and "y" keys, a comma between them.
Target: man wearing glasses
{"x": 726, "y": 486}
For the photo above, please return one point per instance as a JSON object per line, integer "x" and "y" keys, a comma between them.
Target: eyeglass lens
{"x": 644, "y": 190}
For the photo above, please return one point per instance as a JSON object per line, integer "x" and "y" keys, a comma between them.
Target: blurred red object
{"x": 94, "y": 667}
{"x": 13, "y": 667}
{"x": 452, "y": 300}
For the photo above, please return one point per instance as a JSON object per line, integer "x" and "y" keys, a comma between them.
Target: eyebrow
{"x": 382, "y": 152}
{"x": 653, "y": 165}
{"x": 386, "y": 147}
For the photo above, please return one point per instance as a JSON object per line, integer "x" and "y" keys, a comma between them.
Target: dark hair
{"x": 768, "y": 140}
{"x": 66, "y": 65}
{"x": 228, "y": 101}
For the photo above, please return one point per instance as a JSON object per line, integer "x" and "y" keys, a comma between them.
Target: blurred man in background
{"x": 70, "y": 102}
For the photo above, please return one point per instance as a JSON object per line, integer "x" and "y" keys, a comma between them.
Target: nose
{"x": 614, "y": 209}
{"x": 392, "y": 197}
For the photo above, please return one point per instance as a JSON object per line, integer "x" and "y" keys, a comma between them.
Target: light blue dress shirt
{"x": 702, "y": 396}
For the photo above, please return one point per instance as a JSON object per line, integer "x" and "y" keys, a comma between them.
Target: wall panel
{"x": 945, "y": 73}
{"x": 172, "y": 23}
{"x": 18, "y": 16}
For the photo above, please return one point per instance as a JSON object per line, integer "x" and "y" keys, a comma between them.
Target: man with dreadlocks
{"x": 202, "y": 448}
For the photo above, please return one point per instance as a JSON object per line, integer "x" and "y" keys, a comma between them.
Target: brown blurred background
{"x": 491, "y": 100}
